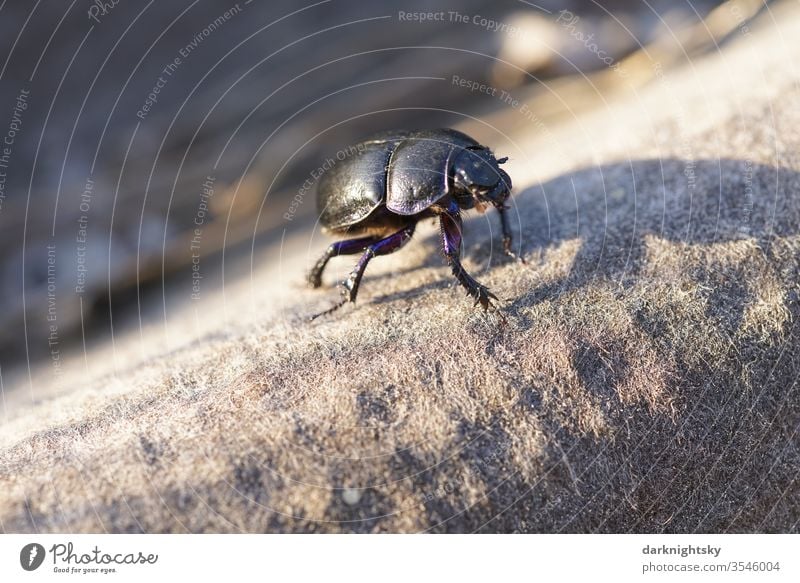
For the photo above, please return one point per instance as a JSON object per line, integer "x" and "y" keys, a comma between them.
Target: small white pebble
{"x": 351, "y": 496}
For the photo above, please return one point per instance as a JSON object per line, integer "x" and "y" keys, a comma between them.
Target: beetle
{"x": 390, "y": 181}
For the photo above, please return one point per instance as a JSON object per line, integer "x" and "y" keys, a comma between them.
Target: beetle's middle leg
{"x": 451, "y": 245}
{"x": 379, "y": 247}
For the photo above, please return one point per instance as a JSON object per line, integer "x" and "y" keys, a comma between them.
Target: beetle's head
{"x": 477, "y": 176}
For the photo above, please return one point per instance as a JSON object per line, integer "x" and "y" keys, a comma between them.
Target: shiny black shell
{"x": 402, "y": 172}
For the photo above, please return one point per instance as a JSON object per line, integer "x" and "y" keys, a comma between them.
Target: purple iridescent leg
{"x": 380, "y": 247}
{"x": 451, "y": 245}
{"x": 347, "y": 247}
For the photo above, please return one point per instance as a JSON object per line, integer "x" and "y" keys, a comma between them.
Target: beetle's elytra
{"x": 376, "y": 196}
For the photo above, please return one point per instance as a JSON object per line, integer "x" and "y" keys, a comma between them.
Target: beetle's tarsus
{"x": 507, "y": 237}
{"x": 474, "y": 289}
{"x": 349, "y": 287}
{"x": 314, "y": 278}
{"x": 328, "y": 311}
{"x": 507, "y": 241}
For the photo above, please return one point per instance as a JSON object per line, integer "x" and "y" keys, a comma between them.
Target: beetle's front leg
{"x": 507, "y": 237}
{"x": 451, "y": 245}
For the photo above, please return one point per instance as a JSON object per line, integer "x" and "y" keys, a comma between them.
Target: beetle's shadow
{"x": 612, "y": 211}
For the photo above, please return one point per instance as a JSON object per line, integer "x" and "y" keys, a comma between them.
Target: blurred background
{"x": 148, "y": 146}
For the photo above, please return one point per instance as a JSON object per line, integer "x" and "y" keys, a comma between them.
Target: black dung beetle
{"x": 396, "y": 178}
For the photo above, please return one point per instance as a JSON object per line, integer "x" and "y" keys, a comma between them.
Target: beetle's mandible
{"x": 376, "y": 196}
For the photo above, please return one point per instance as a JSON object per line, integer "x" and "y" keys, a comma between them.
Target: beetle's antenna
{"x": 328, "y": 311}
{"x": 502, "y": 160}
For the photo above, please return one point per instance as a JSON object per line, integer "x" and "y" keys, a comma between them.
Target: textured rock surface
{"x": 646, "y": 379}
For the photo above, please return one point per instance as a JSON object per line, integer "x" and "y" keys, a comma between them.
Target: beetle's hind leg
{"x": 381, "y": 247}
{"x": 347, "y": 247}
{"x": 451, "y": 245}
